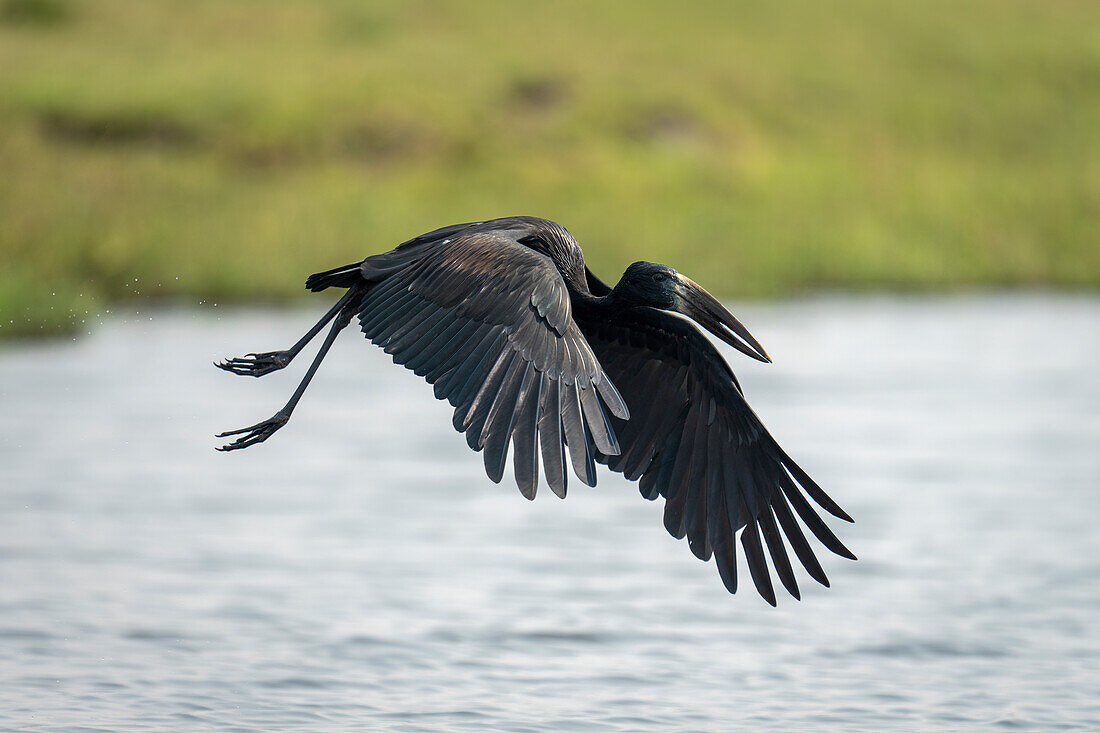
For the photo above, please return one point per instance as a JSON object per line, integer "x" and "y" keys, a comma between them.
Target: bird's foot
{"x": 254, "y": 434}
{"x": 256, "y": 365}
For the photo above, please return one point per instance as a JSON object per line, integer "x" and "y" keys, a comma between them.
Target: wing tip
{"x": 812, "y": 488}
{"x": 611, "y": 397}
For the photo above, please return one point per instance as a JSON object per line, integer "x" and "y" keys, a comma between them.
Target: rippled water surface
{"x": 359, "y": 572}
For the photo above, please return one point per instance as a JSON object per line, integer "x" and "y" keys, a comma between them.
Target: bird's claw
{"x": 253, "y": 434}
{"x": 256, "y": 365}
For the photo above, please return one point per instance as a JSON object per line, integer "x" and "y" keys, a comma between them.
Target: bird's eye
{"x": 660, "y": 277}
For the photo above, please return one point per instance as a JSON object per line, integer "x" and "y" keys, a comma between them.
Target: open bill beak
{"x": 701, "y": 307}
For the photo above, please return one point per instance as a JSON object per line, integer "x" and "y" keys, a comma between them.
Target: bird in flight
{"x": 533, "y": 350}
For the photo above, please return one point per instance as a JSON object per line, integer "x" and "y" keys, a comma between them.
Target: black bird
{"x": 530, "y": 348}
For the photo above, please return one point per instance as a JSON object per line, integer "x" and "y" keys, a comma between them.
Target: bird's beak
{"x": 701, "y": 306}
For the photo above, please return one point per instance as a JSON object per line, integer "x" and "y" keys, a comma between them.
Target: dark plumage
{"x": 533, "y": 351}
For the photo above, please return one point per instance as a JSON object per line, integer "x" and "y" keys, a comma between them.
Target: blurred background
{"x": 224, "y": 150}
{"x": 901, "y": 201}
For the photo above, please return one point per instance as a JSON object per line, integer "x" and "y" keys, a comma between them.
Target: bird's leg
{"x": 261, "y": 431}
{"x": 257, "y": 365}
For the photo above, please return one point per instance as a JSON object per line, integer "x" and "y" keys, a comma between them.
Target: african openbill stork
{"x": 530, "y": 348}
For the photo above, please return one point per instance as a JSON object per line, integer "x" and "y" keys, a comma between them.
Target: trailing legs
{"x": 261, "y": 431}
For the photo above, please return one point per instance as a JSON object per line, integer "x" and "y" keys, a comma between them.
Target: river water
{"x": 359, "y": 572}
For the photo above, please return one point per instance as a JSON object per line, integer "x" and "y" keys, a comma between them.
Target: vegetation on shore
{"x": 224, "y": 150}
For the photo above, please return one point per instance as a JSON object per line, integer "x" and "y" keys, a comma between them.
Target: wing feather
{"x": 497, "y": 432}
{"x": 780, "y": 561}
{"x": 573, "y": 423}
{"x": 551, "y": 437}
{"x": 754, "y": 554}
{"x": 525, "y": 460}
{"x": 695, "y": 509}
{"x": 725, "y": 548}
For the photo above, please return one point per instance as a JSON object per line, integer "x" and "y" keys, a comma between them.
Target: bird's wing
{"x": 488, "y": 321}
{"x": 693, "y": 439}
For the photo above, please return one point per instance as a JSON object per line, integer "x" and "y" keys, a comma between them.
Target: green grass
{"x": 224, "y": 150}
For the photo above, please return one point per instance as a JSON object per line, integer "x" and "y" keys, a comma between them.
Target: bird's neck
{"x": 589, "y": 306}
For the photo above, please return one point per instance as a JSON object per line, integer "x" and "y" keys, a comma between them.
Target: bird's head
{"x": 650, "y": 285}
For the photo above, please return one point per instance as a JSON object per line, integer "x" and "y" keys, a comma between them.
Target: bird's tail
{"x": 339, "y": 277}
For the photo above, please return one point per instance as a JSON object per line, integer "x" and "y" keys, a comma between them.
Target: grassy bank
{"x": 224, "y": 150}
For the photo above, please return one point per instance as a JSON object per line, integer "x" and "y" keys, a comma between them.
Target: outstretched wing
{"x": 693, "y": 439}
{"x": 488, "y": 321}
